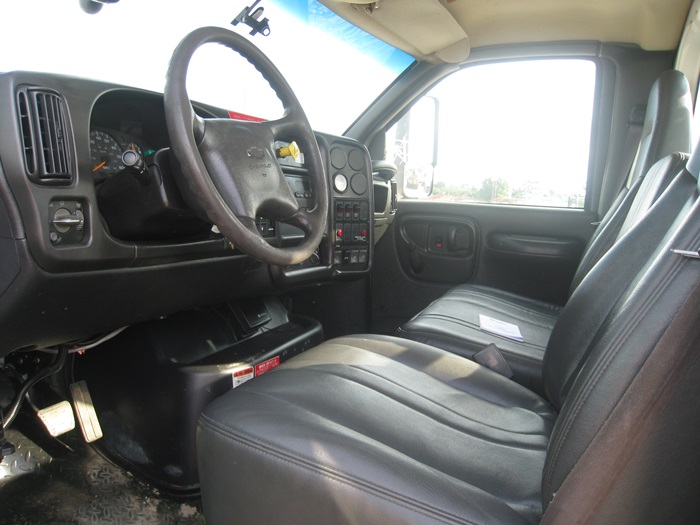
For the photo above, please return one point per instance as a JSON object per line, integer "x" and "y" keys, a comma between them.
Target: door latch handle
{"x": 415, "y": 259}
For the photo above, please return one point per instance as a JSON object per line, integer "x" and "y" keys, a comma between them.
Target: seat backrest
{"x": 623, "y": 449}
{"x": 667, "y": 129}
{"x": 580, "y": 320}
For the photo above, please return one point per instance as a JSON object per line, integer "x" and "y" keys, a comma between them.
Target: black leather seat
{"x": 452, "y": 321}
{"x": 376, "y": 429}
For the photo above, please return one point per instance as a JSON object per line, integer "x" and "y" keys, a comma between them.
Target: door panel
{"x": 533, "y": 245}
{"x": 438, "y": 249}
{"x": 531, "y": 265}
{"x": 531, "y": 251}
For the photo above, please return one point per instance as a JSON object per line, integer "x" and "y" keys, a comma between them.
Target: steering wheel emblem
{"x": 255, "y": 153}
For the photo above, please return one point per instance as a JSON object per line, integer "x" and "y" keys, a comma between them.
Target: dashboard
{"x": 95, "y": 233}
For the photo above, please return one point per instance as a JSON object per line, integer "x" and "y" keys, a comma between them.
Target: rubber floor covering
{"x": 80, "y": 487}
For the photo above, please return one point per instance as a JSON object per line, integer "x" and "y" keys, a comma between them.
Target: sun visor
{"x": 421, "y": 28}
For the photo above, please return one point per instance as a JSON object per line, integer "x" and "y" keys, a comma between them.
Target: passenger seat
{"x": 452, "y": 321}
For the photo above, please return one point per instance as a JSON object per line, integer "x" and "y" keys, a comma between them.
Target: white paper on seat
{"x": 494, "y": 326}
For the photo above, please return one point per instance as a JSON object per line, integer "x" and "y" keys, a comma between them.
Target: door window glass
{"x": 504, "y": 133}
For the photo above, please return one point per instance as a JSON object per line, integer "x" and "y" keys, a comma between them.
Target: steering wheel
{"x": 231, "y": 168}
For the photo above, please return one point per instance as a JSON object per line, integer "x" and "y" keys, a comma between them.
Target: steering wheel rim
{"x": 231, "y": 168}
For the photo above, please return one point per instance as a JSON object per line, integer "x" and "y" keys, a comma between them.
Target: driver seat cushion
{"x": 348, "y": 429}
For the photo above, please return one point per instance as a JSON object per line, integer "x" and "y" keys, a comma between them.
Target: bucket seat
{"x": 452, "y": 321}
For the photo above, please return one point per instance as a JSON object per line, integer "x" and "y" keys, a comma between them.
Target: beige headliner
{"x": 433, "y": 35}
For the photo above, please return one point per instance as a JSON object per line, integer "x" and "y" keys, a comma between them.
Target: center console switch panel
{"x": 346, "y": 250}
{"x": 350, "y": 173}
{"x": 351, "y": 249}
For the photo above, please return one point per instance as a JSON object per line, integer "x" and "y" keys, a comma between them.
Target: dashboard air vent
{"x": 394, "y": 200}
{"x": 44, "y": 136}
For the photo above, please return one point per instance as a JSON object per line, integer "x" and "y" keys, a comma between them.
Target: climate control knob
{"x": 63, "y": 220}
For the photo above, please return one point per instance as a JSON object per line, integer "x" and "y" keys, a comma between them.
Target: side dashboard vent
{"x": 394, "y": 198}
{"x": 45, "y": 138}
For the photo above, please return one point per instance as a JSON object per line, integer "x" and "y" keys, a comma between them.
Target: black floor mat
{"x": 79, "y": 486}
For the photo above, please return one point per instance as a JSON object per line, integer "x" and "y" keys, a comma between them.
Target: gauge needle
{"x": 99, "y": 165}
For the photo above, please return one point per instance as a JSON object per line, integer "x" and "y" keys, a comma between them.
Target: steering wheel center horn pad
{"x": 230, "y": 168}
{"x": 242, "y": 164}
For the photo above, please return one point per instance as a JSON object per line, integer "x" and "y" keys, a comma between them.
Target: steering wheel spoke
{"x": 230, "y": 167}
{"x": 284, "y": 128}
{"x": 302, "y": 219}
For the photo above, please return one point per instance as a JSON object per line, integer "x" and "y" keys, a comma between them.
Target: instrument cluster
{"x": 107, "y": 150}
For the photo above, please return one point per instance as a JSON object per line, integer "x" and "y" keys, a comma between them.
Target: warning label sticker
{"x": 266, "y": 366}
{"x": 241, "y": 375}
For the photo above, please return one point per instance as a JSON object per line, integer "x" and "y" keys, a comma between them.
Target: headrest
{"x": 668, "y": 123}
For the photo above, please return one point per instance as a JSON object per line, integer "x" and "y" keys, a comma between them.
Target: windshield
{"x": 335, "y": 69}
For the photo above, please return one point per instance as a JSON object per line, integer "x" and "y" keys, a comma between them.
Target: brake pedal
{"x": 87, "y": 417}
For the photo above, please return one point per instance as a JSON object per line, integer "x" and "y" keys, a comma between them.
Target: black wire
{"x": 56, "y": 366}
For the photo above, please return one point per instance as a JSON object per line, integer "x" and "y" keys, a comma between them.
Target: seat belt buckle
{"x": 491, "y": 357}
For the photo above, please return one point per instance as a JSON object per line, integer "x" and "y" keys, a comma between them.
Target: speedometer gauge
{"x": 105, "y": 153}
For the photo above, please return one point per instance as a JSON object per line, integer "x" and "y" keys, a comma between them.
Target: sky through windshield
{"x": 131, "y": 43}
